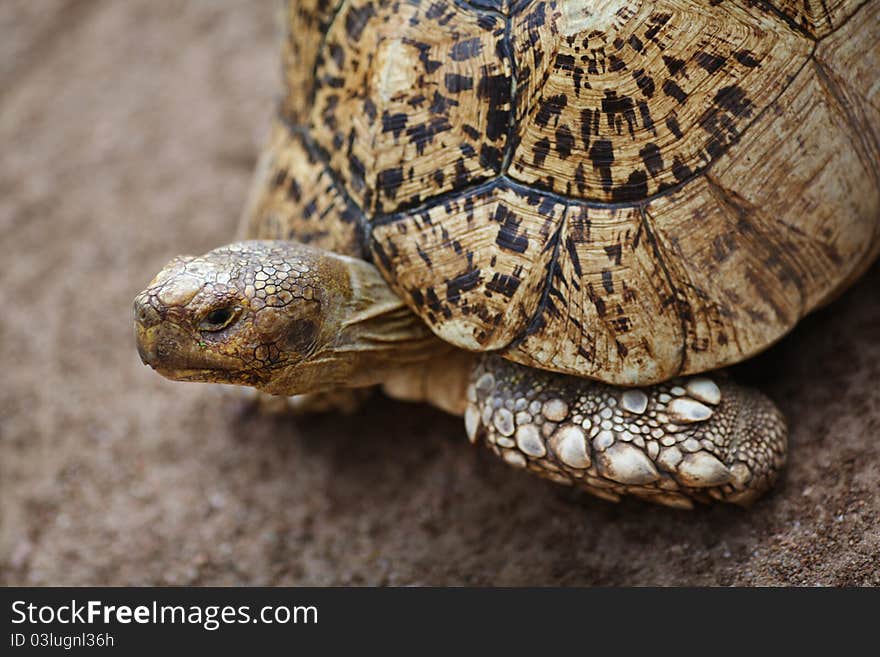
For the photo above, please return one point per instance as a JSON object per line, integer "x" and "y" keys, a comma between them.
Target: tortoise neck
{"x": 369, "y": 333}
{"x": 379, "y": 333}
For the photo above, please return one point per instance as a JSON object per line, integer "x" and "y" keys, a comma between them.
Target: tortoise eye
{"x": 218, "y": 319}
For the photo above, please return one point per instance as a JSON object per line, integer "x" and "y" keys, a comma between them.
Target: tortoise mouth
{"x": 204, "y": 374}
{"x": 173, "y": 353}
{"x": 196, "y": 374}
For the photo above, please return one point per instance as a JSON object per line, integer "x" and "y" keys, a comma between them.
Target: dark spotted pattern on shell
{"x": 486, "y": 255}
{"x": 620, "y": 189}
{"x": 412, "y": 100}
{"x": 294, "y": 182}
{"x": 305, "y": 27}
{"x": 815, "y": 18}
{"x": 621, "y": 101}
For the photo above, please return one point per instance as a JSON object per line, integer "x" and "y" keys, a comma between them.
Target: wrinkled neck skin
{"x": 368, "y": 334}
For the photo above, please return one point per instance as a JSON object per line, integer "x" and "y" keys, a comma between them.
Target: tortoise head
{"x": 279, "y": 316}
{"x": 238, "y": 314}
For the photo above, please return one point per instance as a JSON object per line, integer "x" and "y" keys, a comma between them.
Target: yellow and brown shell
{"x": 619, "y": 189}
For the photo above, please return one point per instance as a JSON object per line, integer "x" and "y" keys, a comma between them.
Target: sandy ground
{"x": 129, "y": 131}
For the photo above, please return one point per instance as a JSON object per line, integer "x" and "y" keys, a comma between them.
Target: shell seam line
{"x": 661, "y": 260}
{"x": 775, "y": 11}
{"x": 552, "y": 268}
{"x": 846, "y": 20}
{"x": 514, "y": 101}
{"x": 834, "y": 88}
{"x": 863, "y": 143}
{"x": 741, "y": 208}
{"x": 320, "y": 50}
{"x": 727, "y": 198}
{"x": 827, "y": 14}
{"x": 470, "y": 6}
{"x": 364, "y": 226}
{"x": 788, "y": 20}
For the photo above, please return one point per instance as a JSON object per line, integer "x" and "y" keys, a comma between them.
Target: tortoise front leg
{"x": 694, "y": 438}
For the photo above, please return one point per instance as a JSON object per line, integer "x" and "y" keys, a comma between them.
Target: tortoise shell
{"x": 615, "y": 189}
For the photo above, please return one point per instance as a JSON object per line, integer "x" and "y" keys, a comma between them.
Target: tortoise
{"x": 558, "y": 219}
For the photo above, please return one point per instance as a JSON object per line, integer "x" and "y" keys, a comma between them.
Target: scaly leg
{"x": 693, "y": 438}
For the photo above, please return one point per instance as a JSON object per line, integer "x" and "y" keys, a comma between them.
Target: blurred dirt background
{"x": 129, "y": 131}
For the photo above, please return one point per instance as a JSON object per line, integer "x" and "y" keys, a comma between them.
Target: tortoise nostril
{"x": 144, "y": 313}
